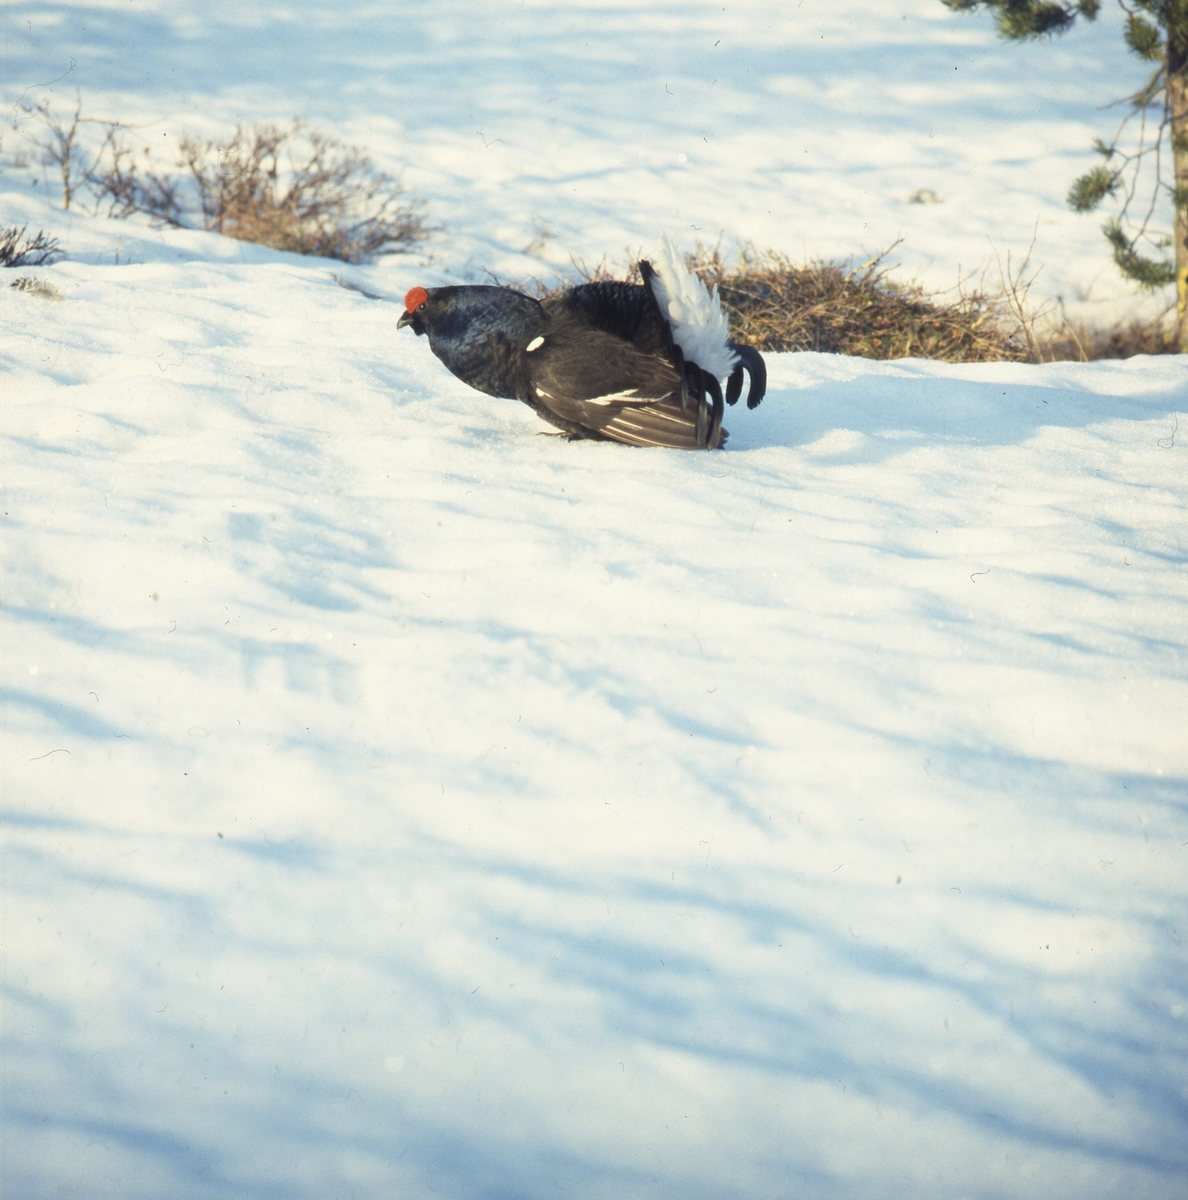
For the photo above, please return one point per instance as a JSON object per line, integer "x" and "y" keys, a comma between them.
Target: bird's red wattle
{"x": 414, "y": 298}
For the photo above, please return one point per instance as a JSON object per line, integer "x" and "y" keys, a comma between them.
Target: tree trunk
{"x": 1177, "y": 97}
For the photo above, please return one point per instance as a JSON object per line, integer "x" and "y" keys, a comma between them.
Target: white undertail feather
{"x": 699, "y": 326}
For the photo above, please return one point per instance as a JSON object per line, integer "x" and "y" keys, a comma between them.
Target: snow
{"x": 355, "y": 735}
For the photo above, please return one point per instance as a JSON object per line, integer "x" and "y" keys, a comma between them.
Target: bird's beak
{"x": 405, "y": 319}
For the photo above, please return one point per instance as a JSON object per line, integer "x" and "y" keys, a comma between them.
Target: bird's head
{"x": 415, "y": 311}
{"x": 470, "y": 314}
{"x": 478, "y": 331}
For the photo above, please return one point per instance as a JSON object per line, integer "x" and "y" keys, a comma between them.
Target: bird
{"x": 608, "y": 360}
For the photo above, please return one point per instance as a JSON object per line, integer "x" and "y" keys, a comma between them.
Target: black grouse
{"x": 620, "y": 362}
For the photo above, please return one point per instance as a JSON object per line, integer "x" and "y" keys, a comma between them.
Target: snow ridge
{"x": 699, "y": 326}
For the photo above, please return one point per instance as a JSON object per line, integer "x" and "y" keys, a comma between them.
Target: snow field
{"x": 370, "y": 733}
{"x": 397, "y": 802}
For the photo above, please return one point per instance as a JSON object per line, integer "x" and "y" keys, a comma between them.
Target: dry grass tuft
{"x": 774, "y": 304}
{"x": 1081, "y": 343}
{"x": 19, "y": 250}
{"x": 289, "y": 188}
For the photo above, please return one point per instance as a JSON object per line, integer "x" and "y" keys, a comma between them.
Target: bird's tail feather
{"x": 694, "y": 313}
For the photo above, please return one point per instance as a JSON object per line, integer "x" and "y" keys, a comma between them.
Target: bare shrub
{"x": 289, "y": 188}
{"x": 1052, "y": 339}
{"x": 19, "y": 250}
{"x": 62, "y": 144}
{"x": 1013, "y": 297}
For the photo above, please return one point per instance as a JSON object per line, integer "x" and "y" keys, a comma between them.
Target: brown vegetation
{"x": 1082, "y": 343}
{"x": 292, "y": 189}
{"x": 19, "y": 250}
{"x": 774, "y": 304}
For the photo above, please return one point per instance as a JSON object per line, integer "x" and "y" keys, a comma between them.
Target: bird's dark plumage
{"x": 597, "y": 361}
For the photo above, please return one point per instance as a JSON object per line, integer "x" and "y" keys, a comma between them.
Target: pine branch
{"x": 1144, "y": 38}
{"x": 1019, "y": 19}
{"x": 1092, "y": 188}
{"x": 1148, "y": 273}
